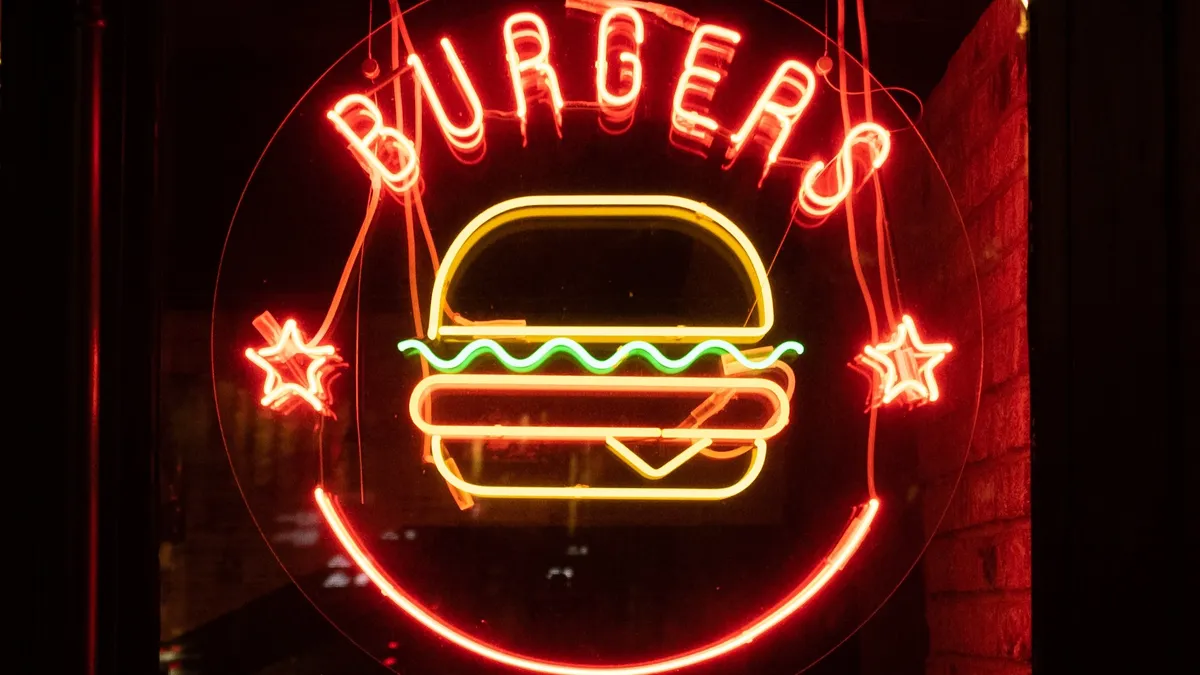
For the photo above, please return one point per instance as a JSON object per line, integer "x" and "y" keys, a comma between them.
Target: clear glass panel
{"x": 591, "y": 583}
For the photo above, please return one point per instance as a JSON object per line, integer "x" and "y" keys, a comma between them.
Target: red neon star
{"x": 902, "y": 368}
{"x": 308, "y": 383}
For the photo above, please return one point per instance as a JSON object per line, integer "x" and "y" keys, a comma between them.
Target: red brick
{"x": 1003, "y": 423}
{"x": 996, "y": 227}
{"x": 1004, "y": 287}
{"x": 1003, "y": 221}
{"x": 971, "y": 665}
{"x": 992, "y": 558}
{"x": 995, "y": 489}
{"x": 943, "y": 444}
{"x": 994, "y": 231}
{"x": 989, "y": 99}
{"x": 994, "y": 34}
{"x": 977, "y": 568}
{"x": 950, "y": 288}
{"x": 987, "y": 166}
{"x": 981, "y": 624}
{"x": 1006, "y": 349}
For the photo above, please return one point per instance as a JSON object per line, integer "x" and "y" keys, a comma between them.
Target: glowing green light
{"x": 598, "y": 366}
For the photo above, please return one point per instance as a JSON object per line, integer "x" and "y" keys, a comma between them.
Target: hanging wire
{"x": 913, "y": 94}
{"x": 880, "y": 220}
{"x": 370, "y": 26}
{"x": 826, "y": 34}
{"x": 887, "y": 261}
{"x": 873, "y": 416}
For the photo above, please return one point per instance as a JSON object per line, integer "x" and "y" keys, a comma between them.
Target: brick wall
{"x": 977, "y": 568}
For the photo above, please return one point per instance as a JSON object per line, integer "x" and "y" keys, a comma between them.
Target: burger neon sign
{"x": 296, "y": 371}
{"x": 534, "y": 78}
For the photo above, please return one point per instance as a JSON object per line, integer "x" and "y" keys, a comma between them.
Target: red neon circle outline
{"x": 851, "y": 539}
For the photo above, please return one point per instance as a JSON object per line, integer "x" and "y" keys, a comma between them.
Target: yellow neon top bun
{"x": 679, "y": 209}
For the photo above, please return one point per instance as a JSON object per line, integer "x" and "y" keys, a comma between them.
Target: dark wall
{"x": 977, "y": 568}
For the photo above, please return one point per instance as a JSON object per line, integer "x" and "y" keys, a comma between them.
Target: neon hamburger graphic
{"x": 696, "y": 436}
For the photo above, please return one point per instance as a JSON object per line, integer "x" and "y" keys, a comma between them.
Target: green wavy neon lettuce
{"x": 597, "y": 366}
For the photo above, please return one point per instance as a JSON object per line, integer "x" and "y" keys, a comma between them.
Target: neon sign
{"x": 616, "y": 207}
{"x": 466, "y": 139}
{"x": 309, "y": 385}
{"x": 698, "y": 83}
{"x": 527, "y": 48}
{"x": 904, "y": 367}
{"x": 531, "y": 72}
{"x": 878, "y": 143}
{"x": 622, "y": 31}
{"x": 693, "y": 439}
{"x": 459, "y": 358}
{"x": 386, "y": 151}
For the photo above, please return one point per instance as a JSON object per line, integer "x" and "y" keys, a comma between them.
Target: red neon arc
{"x": 796, "y": 81}
{"x": 817, "y": 205}
{"x": 466, "y": 138}
{"x": 825, "y": 571}
{"x": 401, "y": 177}
{"x": 531, "y": 72}
{"x": 698, "y": 83}
{"x": 622, "y": 23}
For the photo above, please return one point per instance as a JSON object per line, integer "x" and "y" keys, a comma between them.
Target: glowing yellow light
{"x": 601, "y": 385}
{"x": 701, "y": 438}
{"x": 677, "y": 209}
{"x": 643, "y": 467}
{"x": 757, "y": 458}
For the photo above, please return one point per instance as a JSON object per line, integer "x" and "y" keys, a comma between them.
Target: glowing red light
{"x": 852, "y": 537}
{"x": 384, "y": 149}
{"x": 902, "y": 367}
{"x": 714, "y": 47}
{"x": 620, "y": 28}
{"x": 792, "y": 80}
{"x": 531, "y": 72}
{"x": 308, "y": 383}
{"x": 817, "y": 203}
{"x": 467, "y": 138}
